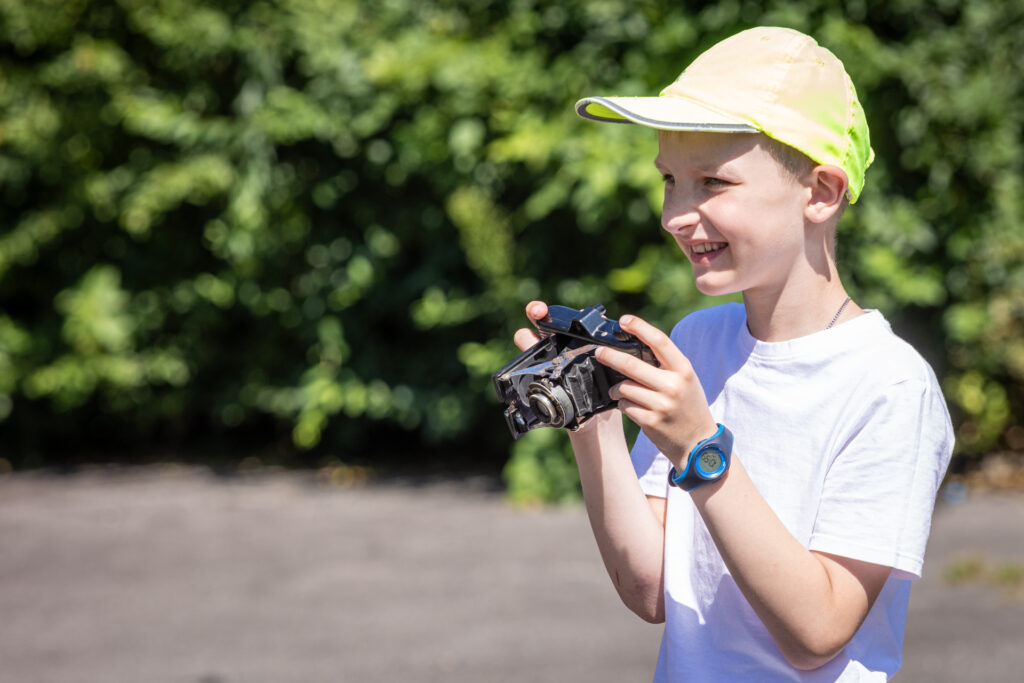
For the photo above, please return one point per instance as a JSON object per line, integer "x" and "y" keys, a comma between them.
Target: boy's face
{"x": 734, "y": 211}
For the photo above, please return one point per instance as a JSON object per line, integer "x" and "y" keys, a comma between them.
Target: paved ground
{"x": 177, "y": 575}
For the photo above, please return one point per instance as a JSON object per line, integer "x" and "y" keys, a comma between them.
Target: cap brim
{"x": 662, "y": 113}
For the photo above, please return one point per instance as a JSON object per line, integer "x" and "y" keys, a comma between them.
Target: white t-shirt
{"x": 846, "y": 434}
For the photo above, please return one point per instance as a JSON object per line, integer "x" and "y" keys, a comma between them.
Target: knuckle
{"x": 664, "y": 406}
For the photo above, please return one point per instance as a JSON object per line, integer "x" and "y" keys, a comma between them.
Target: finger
{"x": 667, "y": 353}
{"x": 525, "y": 338}
{"x": 630, "y": 366}
{"x": 536, "y": 310}
{"x": 637, "y": 414}
{"x": 660, "y": 381}
{"x": 636, "y": 394}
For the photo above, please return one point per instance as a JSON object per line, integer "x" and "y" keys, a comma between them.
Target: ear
{"x": 828, "y": 188}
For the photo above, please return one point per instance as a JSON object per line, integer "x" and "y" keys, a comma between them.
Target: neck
{"x": 785, "y": 315}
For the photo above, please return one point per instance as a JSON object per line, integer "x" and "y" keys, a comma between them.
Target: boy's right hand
{"x": 525, "y": 337}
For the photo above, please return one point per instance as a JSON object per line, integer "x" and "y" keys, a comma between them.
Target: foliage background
{"x": 306, "y": 229}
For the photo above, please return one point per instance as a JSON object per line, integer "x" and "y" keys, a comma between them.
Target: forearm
{"x": 630, "y": 537}
{"x": 810, "y": 609}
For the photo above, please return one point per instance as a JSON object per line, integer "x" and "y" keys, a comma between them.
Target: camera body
{"x": 557, "y": 382}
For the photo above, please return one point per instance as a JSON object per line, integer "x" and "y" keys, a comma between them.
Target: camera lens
{"x": 542, "y": 407}
{"x": 550, "y": 404}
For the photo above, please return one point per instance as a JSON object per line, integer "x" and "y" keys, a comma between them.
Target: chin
{"x": 710, "y": 287}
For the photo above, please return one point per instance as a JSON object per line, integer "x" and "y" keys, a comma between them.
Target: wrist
{"x": 707, "y": 462}
{"x": 697, "y": 436}
{"x": 598, "y": 424}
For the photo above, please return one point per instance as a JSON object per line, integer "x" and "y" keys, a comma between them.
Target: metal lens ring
{"x": 550, "y": 404}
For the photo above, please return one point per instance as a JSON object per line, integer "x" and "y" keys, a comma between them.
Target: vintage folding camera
{"x": 557, "y": 382}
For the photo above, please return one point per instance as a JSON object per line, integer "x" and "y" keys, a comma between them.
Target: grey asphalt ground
{"x": 174, "y": 574}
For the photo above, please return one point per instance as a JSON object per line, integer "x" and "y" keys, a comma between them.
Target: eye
{"x": 711, "y": 181}
{"x": 666, "y": 178}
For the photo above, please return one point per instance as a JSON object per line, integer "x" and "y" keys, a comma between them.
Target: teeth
{"x": 705, "y": 247}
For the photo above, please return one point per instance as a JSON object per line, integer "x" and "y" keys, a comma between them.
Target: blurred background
{"x": 241, "y": 238}
{"x": 302, "y": 232}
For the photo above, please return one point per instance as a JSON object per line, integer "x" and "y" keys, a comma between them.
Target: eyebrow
{"x": 710, "y": 169}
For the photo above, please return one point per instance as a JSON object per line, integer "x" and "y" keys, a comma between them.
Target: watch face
{"x": 710, "y": 462}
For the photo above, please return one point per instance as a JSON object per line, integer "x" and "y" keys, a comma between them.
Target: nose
{"x": 678, "y": 213}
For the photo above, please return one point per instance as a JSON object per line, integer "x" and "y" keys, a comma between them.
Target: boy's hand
{"x": 668, "y": 402}
{"x": 525, "y": 337}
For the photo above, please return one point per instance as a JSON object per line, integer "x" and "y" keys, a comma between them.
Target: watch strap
{"x": 692, "y": 477}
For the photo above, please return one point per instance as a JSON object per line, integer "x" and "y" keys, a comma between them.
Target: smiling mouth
{"x": 708, "y": 247}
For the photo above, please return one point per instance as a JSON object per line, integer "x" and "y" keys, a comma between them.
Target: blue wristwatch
{"x": 708, "y": 462}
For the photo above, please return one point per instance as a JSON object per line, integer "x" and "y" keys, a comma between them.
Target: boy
{"x": 791, "y": 446}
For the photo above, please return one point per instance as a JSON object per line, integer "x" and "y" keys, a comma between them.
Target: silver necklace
{"x": 838, "y": 313}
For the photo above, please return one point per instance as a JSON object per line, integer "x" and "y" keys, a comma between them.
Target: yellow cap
{"x": 775, "y": 81}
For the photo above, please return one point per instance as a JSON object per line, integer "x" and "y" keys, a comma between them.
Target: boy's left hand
{"x": 668, "y": 402}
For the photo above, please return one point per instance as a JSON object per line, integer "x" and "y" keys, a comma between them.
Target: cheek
{"x": 773, "y": 220}
{"x": 735, "y": 221}
{"x": 785, "y": 200}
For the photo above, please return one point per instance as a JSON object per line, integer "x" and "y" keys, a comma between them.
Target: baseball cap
{"x": 769, "y": 80}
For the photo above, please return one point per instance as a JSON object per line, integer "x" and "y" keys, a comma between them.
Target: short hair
{"x": 792, "y": 160}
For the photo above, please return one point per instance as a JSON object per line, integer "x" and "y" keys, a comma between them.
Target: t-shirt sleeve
{"x": 879, "y": 492}
{"x": 651, "y": 467}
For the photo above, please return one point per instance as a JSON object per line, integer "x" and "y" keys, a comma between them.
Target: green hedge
{"x": 314, "y": 223}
